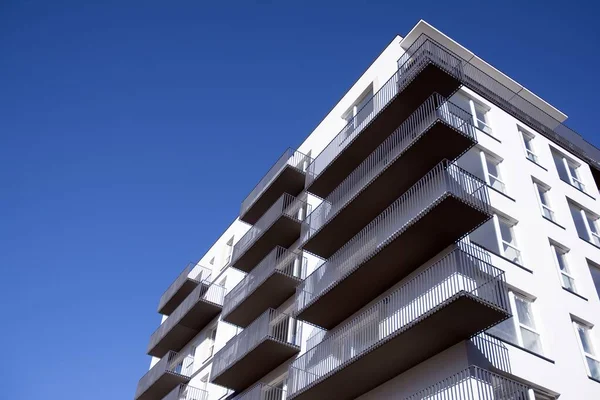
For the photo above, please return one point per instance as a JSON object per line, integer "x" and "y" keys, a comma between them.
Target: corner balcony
{"x": 267, "y": 342}
{"x": 198, "y": 309}
{"x": 186, "y": 392}
{"x": 279, "y": 226}
{"x": 185, "y": 283}
{"x": 442, "y": 207}
{"x": 437, "y": 130}
{"x": 450, "y": 301}
{"x": 262, "y": 391}
{"x": 268, "y": 285}
{"x": 474, "y": 383}
{"x": 422, "y": 71}
{"x": 286, "y": 176}
{"x": 171, "y": 371}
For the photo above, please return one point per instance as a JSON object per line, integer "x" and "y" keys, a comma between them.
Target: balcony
{"x": 268, "y": 285}
{"x": 286, "y": 176}
{"x": 279, "y": 226}
{"x": 267, "y": 342}
{"x": 443, "y": 206}
{"x": 262, "y": 391}
{"x": 198, "y": 309}
{"x": 423, "y": 70}
{"x": 185, "y": 283}
{"x": 438, "y": 129}
{"x": 171, "y": 371}
{"x": 474, "y": 383}
{"x": 186, "y": 392}
{"x": 450, "y": 301}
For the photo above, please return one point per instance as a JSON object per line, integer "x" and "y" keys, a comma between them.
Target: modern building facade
{"x": 436, "y": 236}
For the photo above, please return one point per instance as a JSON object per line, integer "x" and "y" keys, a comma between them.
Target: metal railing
{"x": 507, "y": 99}
{"x": 200, "y": 274}
{"x": 211, "y": 293}
{"x": 460, "y": 272}
{"x": 280, "y": 259}
{"x": 272, "y": 324}
{"x": 262, "y": 391}
{"x": 171, "y": 363}
{"x": 435, "y": 108}
{"x": 474, "y": 383}
{"x": 293, "y": 207}
{"x": 186, "y": 392}
{"x": 290, "y": 157}
{"x": 446, "y": 179}
{"x": 493, "y": 350}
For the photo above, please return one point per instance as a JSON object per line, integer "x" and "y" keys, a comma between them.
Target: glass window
{"x": 493, "y": 175}
{"x": 508, "y": 240}
{"x": 528, "y": 142}
{"x": 585, "y": 223}
{"x": 595, "y": 271}
{"x": 568, "y": 170}
{"x": 560, "y": 257}
{"x": 210, "y": 342}
{"x": 588, "y": 349}
{"x": 544, "y": 198}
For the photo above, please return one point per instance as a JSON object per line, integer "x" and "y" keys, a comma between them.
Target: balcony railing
{"x": 446, "y": 179}
{"x": 211, "y": 294}
{"x": 186, "y": 392}
{"x": 507, "y": 99}
{"x": 199, "y": 274}
{"x": 172, "y": 370}
{"x": 279, "y": 261}
{"x": 262, "y": 391}
{"x": 435, "y": 108}
{"x": 290, "y": 158}
{"x": 234, "y": 358}
{"x": 288, "y": 206}
{"x": 474, "y": 383}
{"x": 460, "y": 274}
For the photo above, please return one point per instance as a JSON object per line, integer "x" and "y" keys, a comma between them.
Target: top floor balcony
{"x": 186, "y": 282}
{"x": 286, "y": 176}
{"x": 171, "y": 371}
{"x": 279, "y": 226}
{"x": 262, "y": 391}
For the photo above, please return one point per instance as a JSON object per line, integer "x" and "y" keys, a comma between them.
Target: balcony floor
{"x": 456, "y": 320}
{"x": 163, "y": 385}
{"x": 284, "y": 232}
{"x": 188, "y": 286}
{"x": 256, "y": 364}
{"x": 289, "y": 180}
{"x": 440, "y": 142}
{"x": 431, "y": 79}
{"x": 276, "y": 289}
{"x": 444, "y": 223}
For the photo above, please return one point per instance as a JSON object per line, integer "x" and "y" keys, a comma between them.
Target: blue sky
{"x": 130, "y": 132}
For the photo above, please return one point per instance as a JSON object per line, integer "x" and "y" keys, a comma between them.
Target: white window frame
{"x": 585, "y": 355}
{"x": 228, "y": 251}
{"x": 500, "y": 240}
{"x": 483, "y": 126}
{"x": 593, "y": 266}
{"x": 528, "y": 137}
{"x": 594, "y": 237}
{"x": 545, "y": 208}
{"x": 350, "y": 115}
{"x": 556, "y": 248}
{"x": 486, "y": 173}
{"x": 210, "y": 343}
{"x": 518, "y": 324}
{"x": 574, "y": 181}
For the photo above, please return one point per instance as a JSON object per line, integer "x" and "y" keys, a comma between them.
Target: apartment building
{"x": 436, "y": 236}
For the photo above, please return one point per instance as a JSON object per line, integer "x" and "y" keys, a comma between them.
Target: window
{"x": 568, "y": 170}
{"x": 359, "y": 111}
{"x": 508, "y": 241}
{"x": 203, "y": 382}
{"x": 595, "y": 271}
{"x": 212, "y": 261}
{"x": 478, "y": 111}
{"x": 228, "y": 251}
{"x": 586, "y": 224}
{"x": 560, "y": 259}
{"x": 544, "y": 199}
{"x": 586, "y": 343}
{"x": 210, "y": 342}
{"x": 521, "y": 329}
{"x": 528, "y": 143}
{"x": 491, "y": 171}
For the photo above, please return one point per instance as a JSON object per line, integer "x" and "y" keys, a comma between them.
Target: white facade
{"x": 549, "y": 258}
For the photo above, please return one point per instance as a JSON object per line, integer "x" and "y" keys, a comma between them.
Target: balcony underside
{"x": 163, "y": 385}
{"x": 450, "y": 323}
{"x": 431, "y": 79}
{"x": 444, "y": 223}
{"x": 188, "y": 286}
{"x": 440, "y": 142}
{"x": 276, "y": 289}
{"x": 256, "y": 364}
{"x": 290, "y": 180}
{"x": 192, "y": 322}
{"x": 284, "y": 232}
